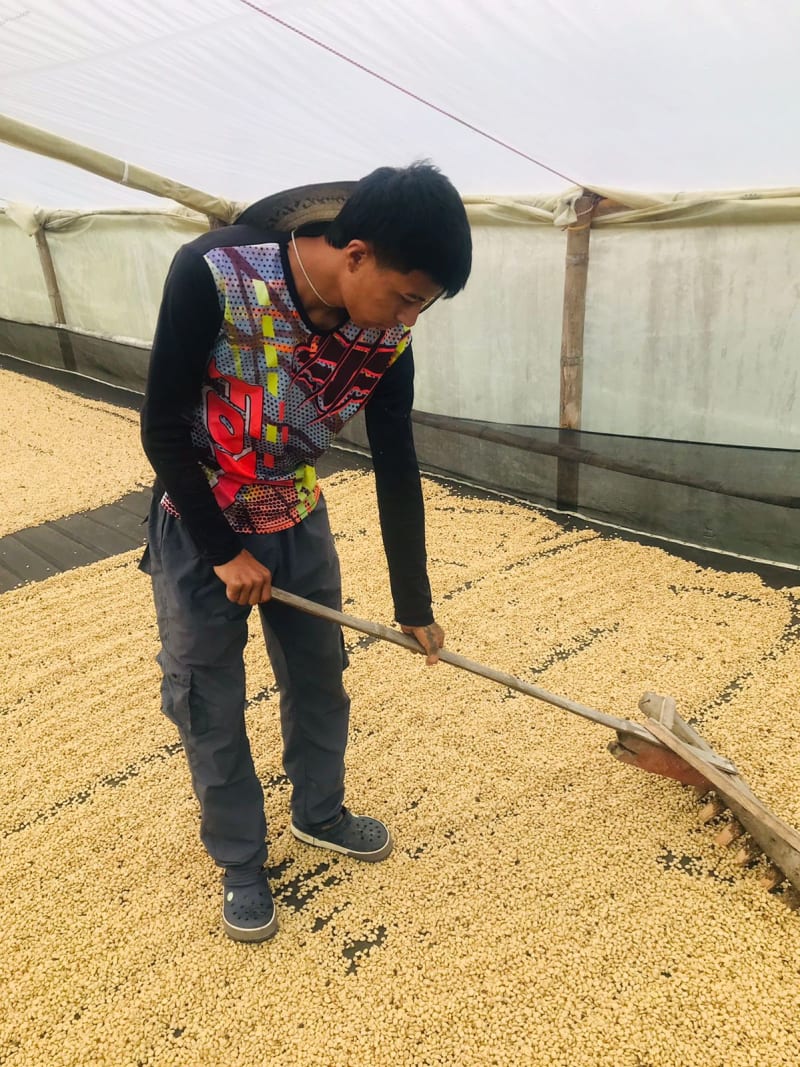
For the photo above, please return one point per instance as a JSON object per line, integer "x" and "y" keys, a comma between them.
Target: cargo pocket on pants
{"x": 181, "y": 706}
{"x": 145, "y": 565}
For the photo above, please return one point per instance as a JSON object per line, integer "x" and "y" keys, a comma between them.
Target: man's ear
{"x": 356, "y": 254}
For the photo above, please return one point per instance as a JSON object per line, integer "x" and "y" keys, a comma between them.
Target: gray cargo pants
{"x": 203, "y": 686}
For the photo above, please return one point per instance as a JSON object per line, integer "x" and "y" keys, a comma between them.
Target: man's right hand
{"x": 246, "y": 580}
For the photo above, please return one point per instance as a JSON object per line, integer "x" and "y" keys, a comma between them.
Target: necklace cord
{"x": 314, "y": 289}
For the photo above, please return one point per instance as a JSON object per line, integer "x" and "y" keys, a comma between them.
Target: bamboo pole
{"x": 44, "y": 143}
{"x": 571, "y": 400}
{"x": 56, "y": 303}
{"x": 50, "y": 279}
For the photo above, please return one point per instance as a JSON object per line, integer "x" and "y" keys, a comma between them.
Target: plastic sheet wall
{"x": 693, "y": 333}
{"x": 692, "y": 326}
{"x": 493, "y": 351}
{"x": 23, "y": 293}
{"x": 110, "y": 268}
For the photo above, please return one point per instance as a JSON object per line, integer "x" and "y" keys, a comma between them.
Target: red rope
{"x": 407, "y": 92}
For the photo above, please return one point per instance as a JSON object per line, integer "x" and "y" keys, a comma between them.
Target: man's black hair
{"x": 414, "y": 219}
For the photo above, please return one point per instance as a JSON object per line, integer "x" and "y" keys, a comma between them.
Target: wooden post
{"x": 56, "y": 304}
{"x": 575, "y": 275}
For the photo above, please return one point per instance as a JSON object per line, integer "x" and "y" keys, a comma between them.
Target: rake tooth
{"x": 771, "y": 878}
{"x": 729, "y": 833}
{"x": 747, "y": 855}
{"x": 712, "y": 809}
{"x": 700, "y": 791}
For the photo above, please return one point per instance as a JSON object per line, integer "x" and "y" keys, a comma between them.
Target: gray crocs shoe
{"x": 354, "y": 835}
{"x": 248, "y": 911}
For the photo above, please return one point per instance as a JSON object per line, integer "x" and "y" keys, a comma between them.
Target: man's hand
{"x": 246, "y": 580}
{"x": 431, "y": 637}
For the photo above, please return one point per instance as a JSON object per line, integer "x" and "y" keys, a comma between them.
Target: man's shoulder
{"x": 236, "y": 236}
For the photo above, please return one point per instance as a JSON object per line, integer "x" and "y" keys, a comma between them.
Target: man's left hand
{"x": 431, "y": 637}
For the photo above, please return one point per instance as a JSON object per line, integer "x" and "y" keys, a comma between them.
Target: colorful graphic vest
{"x": 276, "y": 392}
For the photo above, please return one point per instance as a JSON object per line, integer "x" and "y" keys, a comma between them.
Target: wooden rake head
{"x": 681, "y": 753}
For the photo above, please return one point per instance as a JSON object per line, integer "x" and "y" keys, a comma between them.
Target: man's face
{"x": 379, "y": 297}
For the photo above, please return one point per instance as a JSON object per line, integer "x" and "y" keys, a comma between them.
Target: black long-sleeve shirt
{"x": 244, "y": 393}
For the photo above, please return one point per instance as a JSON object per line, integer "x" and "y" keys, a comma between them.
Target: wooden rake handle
{"x": 396, "y": 637}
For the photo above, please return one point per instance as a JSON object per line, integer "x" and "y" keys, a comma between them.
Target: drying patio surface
{"x": 63, "y": 453}
{"x": 544, "y": 905}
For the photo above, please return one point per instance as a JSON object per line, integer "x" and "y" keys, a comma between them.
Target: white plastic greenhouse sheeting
{"x": 110, "y": 269}
{"x": 667, "y": 94}
{"x": 691, "y": 333}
